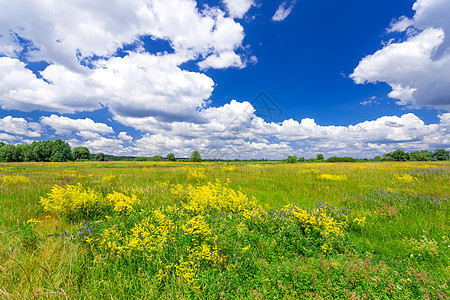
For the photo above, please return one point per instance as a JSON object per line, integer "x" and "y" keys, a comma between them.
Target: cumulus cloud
{"x": 284, "y": 10}
{"x": 84, "y": 72}
{"x": 20, "y": 127}
{"x": 234, "y": 131}
{"x": 238, "y": 8}
{"x": 400, "y": 24}
{"x": 418, "y": 68}
{"x": 139, "y": 85}
{"x": 143, "y": 85}
{"x": 222, "y": 61}
{"x": 125, "y": 137}
{"x": 67, "y": 32}
{"x": 67, "y": 126}
{"x": 59, "y": 90}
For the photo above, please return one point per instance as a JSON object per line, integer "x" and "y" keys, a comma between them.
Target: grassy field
{"x": 124, "y": 230}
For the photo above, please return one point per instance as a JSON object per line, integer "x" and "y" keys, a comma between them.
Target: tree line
{"x": 60, "y": 151}
{"x": 397, "y": 155}
{"x": 45, "y": 151}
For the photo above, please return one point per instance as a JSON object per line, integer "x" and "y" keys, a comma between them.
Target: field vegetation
{"x": 176, "y": 230}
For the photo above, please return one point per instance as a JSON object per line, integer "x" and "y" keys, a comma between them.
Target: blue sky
{"x": 144, "y": 78}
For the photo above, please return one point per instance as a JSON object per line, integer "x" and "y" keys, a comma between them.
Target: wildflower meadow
{"x": 176, "y": 230}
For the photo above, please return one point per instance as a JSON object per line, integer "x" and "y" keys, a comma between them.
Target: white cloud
{"x": 400, "y": 24}
{"x": 67, "y": 126}
{"x": 64, "y": 91}
{"x": 110, "y": 146}
{"x": 238, "y": 8}
{"x": 140, "y": 84}
{"x": 284, "y": 10}
{"x": 100, "y": 28}
{"x": 417, "y": 69}
{"x": 20, "y": 126}
{"x": 234, "y": 131}
{"x": 143, "y": 85}
{"x": 4, "y": 137}
{"x": 222, "y": 61}
{"x": 125, "y": 137}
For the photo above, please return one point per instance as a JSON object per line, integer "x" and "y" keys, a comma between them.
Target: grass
{"x": 382, "y": 231}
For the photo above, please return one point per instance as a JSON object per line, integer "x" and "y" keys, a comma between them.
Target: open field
{"x": 124, "y": 230}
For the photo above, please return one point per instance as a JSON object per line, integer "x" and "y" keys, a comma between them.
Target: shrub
{"x": 171, "y": 157}
{"x": 441, "y": 154}
{"x": 81, "y": 153}
{"x": 100, "y": 157}
{"x": 291, "y": 159}
{"x": 72, "y": 202}
{"x": 195, "y": 156}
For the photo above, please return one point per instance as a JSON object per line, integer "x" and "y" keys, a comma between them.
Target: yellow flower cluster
{"x": 108, "y": 178}
{"x": 212, "y": 197}
{"x": 406, "y": 178}
{"x": 181, "y": 240}
{"x": 359, "y": 167}
{"x": 155, "y": 236}
{"x": 33, "y": 221}
{"x": 320, "y": 220}
{"x": 228, "y": 169}
{"x": 360, "y": 221}
{"x": 123, "y": 203}
{"x": 196, "y": 173}
{"x": 255, "y": 166}
{"x": 332, "y": 177}
{"x": 149, "y": 236}
{"x": 75, "y": 201}
{"x": 162, "y": 185}
{"x": 71, "y": 200}
{"x": 15, "y": 179}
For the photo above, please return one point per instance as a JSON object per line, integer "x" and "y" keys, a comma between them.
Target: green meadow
{"x": 173, "y": 230}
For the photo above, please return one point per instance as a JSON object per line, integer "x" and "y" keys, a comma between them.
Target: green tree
{"x": 428, "y": 154}
{"x": 291, "y": 159}
{"x": 39, "y": 151}
{"x": 441, "y": 154}
{"x": 171, "y": 157}
{"x": 2, "y": 144}
{"x": 418, "y": 156}
{"x": 400, "y": 155}
{"x": 100, "y": 157}
{"x": 81, "y": 153}
{"x": 60, "y": 151}
{"x": 22, "y": 150}
{"x": 320, "y": 157}
{"x": 387, "y": 157}
{"x": 301, "y": 159}
{"x": 195, "y": 156}
{"x": 9, "y": 153}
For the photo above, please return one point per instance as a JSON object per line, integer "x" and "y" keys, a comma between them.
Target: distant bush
{"x": 195, "y": 156}
{"x": 81, "y": 153}
{"x": 291, "y": 159}
{"x": 441, "y": 154}
{"x": 171, "y": 157}
{"x": 100, "y": 157}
